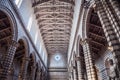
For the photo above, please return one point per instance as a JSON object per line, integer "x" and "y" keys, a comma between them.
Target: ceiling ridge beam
{"x": 103, "y": 37}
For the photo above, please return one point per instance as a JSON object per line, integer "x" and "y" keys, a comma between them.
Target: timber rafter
{"x": 55, "y": 21}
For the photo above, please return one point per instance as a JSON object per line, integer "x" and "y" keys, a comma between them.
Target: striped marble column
{"x": 7, "y": 61}
{"x": 41, "y": 76}
{"x": 71, "y": 73}
{"x": 116, "y": 6}
{"x": 38, "y": 75}
{"x": 23, "y": 70}
{"x": 112, "y": 38}
{"x": 33, "y": 72}
{"x": 75, "y": 71}
{"x": 79, "y": 68}
{"x": 88, "y": 60}
{"x": 112, "y": 17}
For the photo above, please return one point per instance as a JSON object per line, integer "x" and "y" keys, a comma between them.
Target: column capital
{"x": 73, "y": 65}
{"x": 14, "y": 43}
{"x": 110, "y": 48}
{"x": 33, "y": 66}
{"x": 70, "y": 68}
{"x": 97, "y": 5}
{"x": 86, "y": 4}
{"x": 26, "y": 58}
{"x": 77, "y": 58}
{"x": 84, "y": 41}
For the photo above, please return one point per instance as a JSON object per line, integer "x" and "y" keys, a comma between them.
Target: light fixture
{"x": 110, "y": 48}
{"x": 57, "y": 57}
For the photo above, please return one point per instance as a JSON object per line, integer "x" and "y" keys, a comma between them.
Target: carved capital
{"x": 74, "y": 67}
{"x": 26, "y": 58}
{"x": 110, "y": 48}
{"x": 77, "y": 58}
{"x": 84, "y": 41}
{"x": 14, "y": 43}
{"x": 86, "y": 4}
{"x": 70, "y": 68}
{"x": 33, "y": 67}
{"x": 97, "y": 5}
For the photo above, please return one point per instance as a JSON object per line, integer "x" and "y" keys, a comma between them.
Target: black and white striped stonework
{"x": 112, "y": 38}
{"x": 116, "y": 6}
{"x": 88, "y": 60}
{"x": 107, "y": 27}
{"x": 112, "y": 17}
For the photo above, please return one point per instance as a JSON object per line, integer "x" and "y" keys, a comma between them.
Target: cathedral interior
{"x": 59, "y": 39}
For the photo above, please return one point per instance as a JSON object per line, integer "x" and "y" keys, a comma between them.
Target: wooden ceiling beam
{"x": 63, "y": 18}
{"x": 5, "y": 38}
{"x": 63, "y": 14}
{"x": 55, "y": 23}
{"x": 59, "y": 46}
{"x": 3, "y": 18}
{"x": 54, "y": 30}
{"x": 52, "y": 26}
{"x": 20, "y": 51}
{"x": 66, "y": 12}
{"x": 95, "y": 48}
{"x": 38, "y": 3}
{"x": 97, "y": 43}
{"x": 18, "y": 56}
{"x": 56, "y": 42}
{"x": 62, "y": 42}
{"x": 4, "y": 29}
{"x": 56, "y": 51}
{"x": 44, "y": 34}
{"x": 95, "y": 26}
{"x": 51, "y": 6}
{"x": 96, "y": 35}
{"x": 56, "y": 37}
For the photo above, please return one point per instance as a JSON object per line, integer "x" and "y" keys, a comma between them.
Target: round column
{"x": 7, "y": 61}
{"x": 79, "y": 68}
{"x": 88, "y": 60}
{"x": 23, "y": 70}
